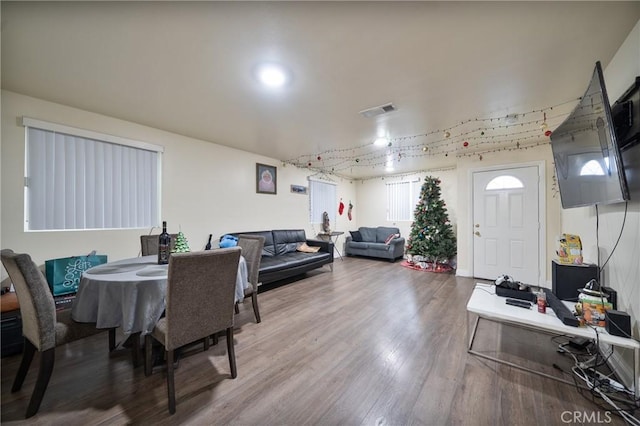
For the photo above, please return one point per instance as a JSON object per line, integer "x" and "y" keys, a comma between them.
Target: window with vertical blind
{"x": 77, "y": 179}
{"x": 322, "y": 198}
{"x": 402, "y": 198}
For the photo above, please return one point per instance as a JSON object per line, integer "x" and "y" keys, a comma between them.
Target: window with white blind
{"x": 322, "y": 198}
{"x": 78, "y": 179}
{"x": 402, "y": 198}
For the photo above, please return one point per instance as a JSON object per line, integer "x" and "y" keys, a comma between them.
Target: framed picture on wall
{"x": 266, "y": 179}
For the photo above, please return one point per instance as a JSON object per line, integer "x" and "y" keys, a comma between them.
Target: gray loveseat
{"x": 281, "y": 259}
{"x": 372, "y": 243}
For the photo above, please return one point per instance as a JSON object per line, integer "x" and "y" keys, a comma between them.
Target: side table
{"x": 327, "y": 236}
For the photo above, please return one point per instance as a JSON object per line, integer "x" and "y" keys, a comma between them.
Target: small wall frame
{"x": 266, "y": 179}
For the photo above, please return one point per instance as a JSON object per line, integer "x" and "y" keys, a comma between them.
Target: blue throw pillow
{"x": 228, "y": 241}
{"x": 356, "y": 236}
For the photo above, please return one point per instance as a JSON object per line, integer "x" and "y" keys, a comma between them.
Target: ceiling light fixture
{"x": 511, "y": 118}
{"x": 382, "y": 141}
{"x": 272, "y": 75}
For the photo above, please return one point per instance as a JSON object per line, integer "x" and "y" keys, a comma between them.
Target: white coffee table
{"x": 487, "y": 305}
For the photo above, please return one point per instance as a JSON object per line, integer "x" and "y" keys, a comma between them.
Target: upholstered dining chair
{"x": 252, "y": 252}
{"x": 43, "y": 328}
{"x": 149, "y": 243}
{"x": 199, "y": 302}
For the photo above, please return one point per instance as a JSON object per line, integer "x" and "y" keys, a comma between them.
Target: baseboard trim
{"x": 463, "y": 273}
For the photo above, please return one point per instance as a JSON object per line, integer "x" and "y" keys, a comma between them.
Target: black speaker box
{"x": 617, "y": 323}
{"x": 612, "y": 296}
{"x": 567, "y": 279}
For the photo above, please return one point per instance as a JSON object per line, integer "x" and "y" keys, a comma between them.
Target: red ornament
{"x": 465, "y": 144}
{"x": 547, "y": 133}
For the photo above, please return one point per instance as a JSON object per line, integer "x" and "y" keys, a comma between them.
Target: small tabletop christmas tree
{"x": 432, "y": 235}
{"x": 182, "y": 246}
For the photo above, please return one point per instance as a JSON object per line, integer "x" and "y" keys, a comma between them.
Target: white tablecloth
{"x": 130, "y": 293}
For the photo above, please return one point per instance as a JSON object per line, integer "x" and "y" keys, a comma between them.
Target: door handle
{"x": 477, "y": 233}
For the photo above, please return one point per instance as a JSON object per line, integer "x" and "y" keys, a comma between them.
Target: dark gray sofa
{"x": 373, "y": 243}
{"x": 280, "y": 258}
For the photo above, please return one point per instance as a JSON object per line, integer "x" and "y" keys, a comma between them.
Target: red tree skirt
{"x": 431, "y": 267}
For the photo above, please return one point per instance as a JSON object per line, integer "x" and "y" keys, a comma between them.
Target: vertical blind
{"x": 402, "y": 198}
{"x": 75, "y": 182}
{"x": 322, "y": 198}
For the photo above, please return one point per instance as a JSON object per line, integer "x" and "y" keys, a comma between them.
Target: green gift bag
{"x": 63, "y": 275}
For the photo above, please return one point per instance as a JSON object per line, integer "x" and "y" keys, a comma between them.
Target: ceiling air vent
{"x": 379, "y": 110}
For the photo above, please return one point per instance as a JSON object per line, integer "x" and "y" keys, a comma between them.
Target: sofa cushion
{"x": 391, "y": 237}
{"x": 307, "y": 249}
{"x": 268, "y": 249}
{"x": 368, "y": 234}
{"x": 291, "y": 260}
{"x": 359, "y": 245}
{"x": 383, "y": 232}
{"x": 287, "y": 240}
{"x": 356, "y": 236}
{"x": 378, "y": 246}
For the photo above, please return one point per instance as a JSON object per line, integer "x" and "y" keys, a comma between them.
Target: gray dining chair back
{"x": 42, "y": 327}
{"x": 252, "y": 252}
{"x": 199, "y": 302}
{"x": 149, "y": 243}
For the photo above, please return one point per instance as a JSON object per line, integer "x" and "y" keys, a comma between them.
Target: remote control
{"x": 519, "y": 303}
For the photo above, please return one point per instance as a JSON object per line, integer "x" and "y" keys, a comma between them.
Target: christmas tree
{"x": 432, "y": 236}
{"x": 182, "y": 246}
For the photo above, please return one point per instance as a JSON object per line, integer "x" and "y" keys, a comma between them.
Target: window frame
{"x": 330, "y": 209}
{"x": 99, "y": 138}
{"x": 412, "y": 199}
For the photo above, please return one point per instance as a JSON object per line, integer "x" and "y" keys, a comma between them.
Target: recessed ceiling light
{"x": 380, "y": 142}
{"x": 272, "y": 75}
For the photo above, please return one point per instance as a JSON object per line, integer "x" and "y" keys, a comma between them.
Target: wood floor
{"x": 371, "y": 343}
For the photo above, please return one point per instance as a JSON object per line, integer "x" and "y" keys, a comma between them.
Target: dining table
{"x": 130, "y": 294}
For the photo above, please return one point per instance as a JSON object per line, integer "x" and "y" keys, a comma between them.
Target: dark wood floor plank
{"x": 369, "y": 343}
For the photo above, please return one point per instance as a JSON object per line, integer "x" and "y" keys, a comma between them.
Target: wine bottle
{"x": 164, "y": 245}
{"x": 208, "y": 246}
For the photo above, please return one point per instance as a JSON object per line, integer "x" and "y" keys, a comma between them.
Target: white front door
{"x": 506, "y": 223}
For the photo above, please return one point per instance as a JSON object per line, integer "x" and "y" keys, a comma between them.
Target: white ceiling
{"x": 187, "y": 68}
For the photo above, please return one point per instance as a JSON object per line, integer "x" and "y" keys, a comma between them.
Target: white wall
{"x": 372, "y": 195}
{"x": 455, "y": 192}
{"x": 207, "y": 188}
{"x": 623, "y": 270}
{"x": 518, "y": 156}
{"x": 622, "y": 273}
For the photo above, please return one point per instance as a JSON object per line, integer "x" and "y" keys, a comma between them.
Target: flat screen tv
{"x": 586, "y": 153}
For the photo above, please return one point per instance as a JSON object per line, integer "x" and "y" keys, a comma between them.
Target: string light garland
{"x": 401, "y": 176}
{"x": 487, "y": 135}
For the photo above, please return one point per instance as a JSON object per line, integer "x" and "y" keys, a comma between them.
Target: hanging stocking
{"x": 340, "y": 207}
{"x": 349, "y": 215}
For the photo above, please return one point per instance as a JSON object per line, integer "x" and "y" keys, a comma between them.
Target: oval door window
{"x": 504, "y": 182}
